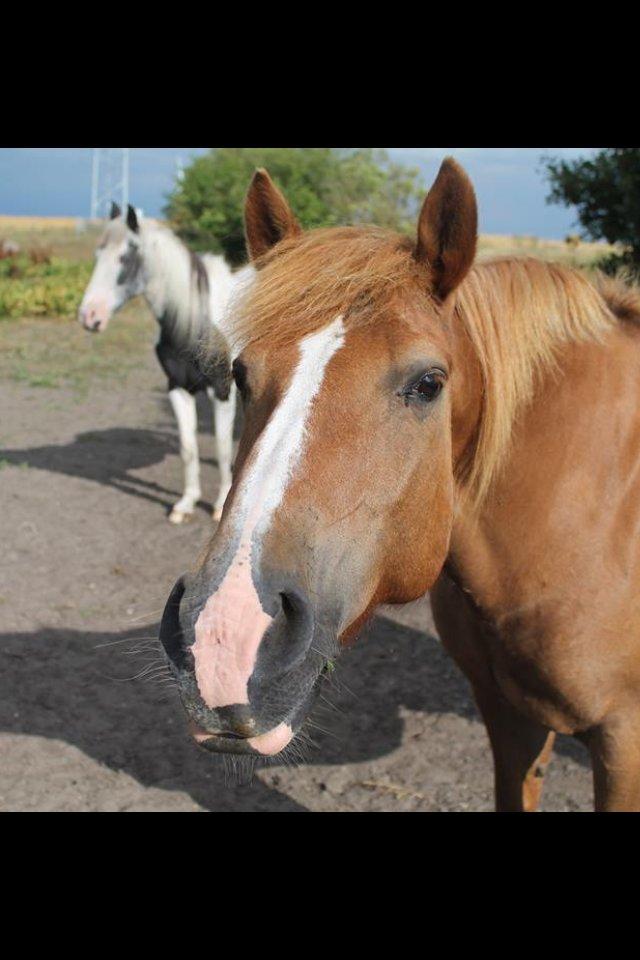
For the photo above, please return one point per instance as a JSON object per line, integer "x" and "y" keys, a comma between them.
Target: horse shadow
{"x": 105, "y": 457}
{"x": 109, "y": 456}
{"x": 80, "y": 688}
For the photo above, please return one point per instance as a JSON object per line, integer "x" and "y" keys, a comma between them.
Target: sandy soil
{"x": 87, "y": 562}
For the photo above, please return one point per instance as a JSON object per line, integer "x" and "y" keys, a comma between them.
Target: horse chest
{"x": 180, "y": 370}
{"x": 543, "y": 659}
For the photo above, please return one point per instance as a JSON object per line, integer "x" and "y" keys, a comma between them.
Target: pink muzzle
{"x": 228, "y": 634}
{"x": 95, "y": 315}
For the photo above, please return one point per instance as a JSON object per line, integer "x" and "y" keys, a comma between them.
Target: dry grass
{"x": 20, "y": 224}
{"x": 66, "y": 237}
{"x": 46, "y": 352}
{"x": 581, "y": 255}
{"x": 61, "y": 234}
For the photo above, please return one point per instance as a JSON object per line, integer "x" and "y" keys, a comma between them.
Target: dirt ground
{"x": 88, "y": 559}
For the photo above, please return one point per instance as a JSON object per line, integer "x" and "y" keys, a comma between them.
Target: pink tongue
{"x": 273, "y": 741}
{"x": 269, "y": 743}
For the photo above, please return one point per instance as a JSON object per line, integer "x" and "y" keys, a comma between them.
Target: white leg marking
{"x": 184, "y": 408}
{"x": 224, "y": 412}
{"x": 232, "y": 623}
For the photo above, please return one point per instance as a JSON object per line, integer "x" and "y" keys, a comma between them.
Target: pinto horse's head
{"x": 342, "y": 496}
{"x": 118, "y": 274}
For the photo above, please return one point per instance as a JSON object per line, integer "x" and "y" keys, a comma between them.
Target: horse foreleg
{"x": 521, "y": 751}
{"x": 184, "y": 408}
{"x": 224, "y": 416}
{"x": 521, "y": 747}
{"x": 615, "y": 757}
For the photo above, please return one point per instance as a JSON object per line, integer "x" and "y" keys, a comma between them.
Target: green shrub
{"x": 605, "y": 189}
{"x": 325, "y": 187}
{"x": 51, "y": 289}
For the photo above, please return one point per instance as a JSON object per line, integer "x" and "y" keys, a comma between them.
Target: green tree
{"x": 606, "y": 191}
{"x": 325, "y": 187}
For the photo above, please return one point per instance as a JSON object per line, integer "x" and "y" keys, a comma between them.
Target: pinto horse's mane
{"x": 517, "y": 313}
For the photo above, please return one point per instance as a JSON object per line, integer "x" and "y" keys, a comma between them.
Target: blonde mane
{"x": 517, "y": 313}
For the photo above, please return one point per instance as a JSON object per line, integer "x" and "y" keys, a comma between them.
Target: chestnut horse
{"x": 414, "y": 422}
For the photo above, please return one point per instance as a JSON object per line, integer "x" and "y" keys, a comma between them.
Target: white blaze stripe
{"x": 232, "y": 623}
{"x": 281, "y": 445}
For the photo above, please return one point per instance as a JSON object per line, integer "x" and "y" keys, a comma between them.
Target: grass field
{"x": 46, "y": 352}
{"x": 65, "y": 239}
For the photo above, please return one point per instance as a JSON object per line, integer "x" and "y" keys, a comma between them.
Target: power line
{"x": 109, "y": 179}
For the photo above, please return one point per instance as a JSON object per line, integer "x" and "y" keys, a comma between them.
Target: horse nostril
{"x": 289, "y": 636}
{"x": 288, "y": 608}
{"x": 171, "y": 635}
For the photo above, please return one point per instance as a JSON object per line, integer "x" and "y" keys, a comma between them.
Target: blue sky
{"x": 56, "y": 181}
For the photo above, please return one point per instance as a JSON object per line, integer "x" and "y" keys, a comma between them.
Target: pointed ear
{"x": 115, "y": 211}
{"x": 448, "y": 228}
{"x": 132, "y": 219}
{"x": 267, "y": 215}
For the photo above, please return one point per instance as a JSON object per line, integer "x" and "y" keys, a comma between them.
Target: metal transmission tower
{"x": 109, "y": 179}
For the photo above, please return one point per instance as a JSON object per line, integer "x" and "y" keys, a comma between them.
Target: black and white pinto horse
{"x": 188, "y": 295}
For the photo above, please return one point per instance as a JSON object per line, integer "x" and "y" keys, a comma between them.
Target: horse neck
{"x": 558, "y": 436}
{"x": 170, "y": 286}
{"x": 519, "y": 318}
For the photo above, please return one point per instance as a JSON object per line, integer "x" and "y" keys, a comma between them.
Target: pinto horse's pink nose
{"x": 94, "y": 316}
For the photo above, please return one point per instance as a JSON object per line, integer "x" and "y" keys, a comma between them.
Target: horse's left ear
{"x": 115, "y": 211}
{"x": 267, "y": 215}
{"x": 448, "y": 228}
{"x": 132, "y": 219}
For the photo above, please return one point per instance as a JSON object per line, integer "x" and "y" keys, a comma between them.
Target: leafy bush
{"x": 53, "y": 288}
{"x": 325, "y": 187}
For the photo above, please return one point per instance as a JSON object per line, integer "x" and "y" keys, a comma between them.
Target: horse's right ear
{"x": 115, "y": 211}
{"x": 267, "y": 215}
{"x": 132, "y": 219}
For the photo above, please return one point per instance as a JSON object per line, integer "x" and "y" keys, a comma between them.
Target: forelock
{"x": 306, "y": 281}
{"x": 114, "y": 234}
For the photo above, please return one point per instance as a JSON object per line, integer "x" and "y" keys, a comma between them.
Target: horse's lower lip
{"x": 266, "y": 744}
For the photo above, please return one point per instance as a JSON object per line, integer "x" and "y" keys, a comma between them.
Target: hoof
{"x": 179, "y": 516}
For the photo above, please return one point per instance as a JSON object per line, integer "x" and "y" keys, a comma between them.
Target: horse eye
{"x": 240, "y": 376}
{"x": 427, "y": 388}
